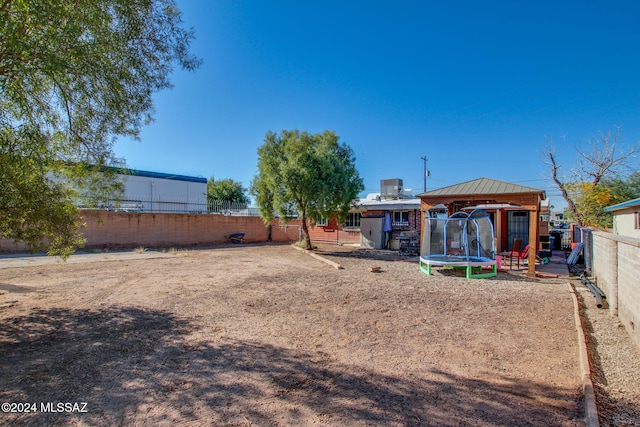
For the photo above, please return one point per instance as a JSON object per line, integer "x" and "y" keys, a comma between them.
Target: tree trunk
{"x": 563, "y": 190}
{"x": 305, "y": 231}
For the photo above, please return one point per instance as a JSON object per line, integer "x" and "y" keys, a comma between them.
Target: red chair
{"x": 516, "y": 252}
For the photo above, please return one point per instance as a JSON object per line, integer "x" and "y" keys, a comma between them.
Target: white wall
{"x": 153, "y": 187}
{"x": 161, "y": 194}
{"x": 616, "y": 268}
{"x": 624, "y": 223}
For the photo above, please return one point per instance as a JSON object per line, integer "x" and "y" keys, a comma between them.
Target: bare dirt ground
{"x": 266, "y": 335}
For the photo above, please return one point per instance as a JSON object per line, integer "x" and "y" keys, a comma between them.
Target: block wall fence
{"x": 616, "y": 270}
{"x": 332, "y": 233}
{"x": 616, "y": 259}
{"x": 105, "y": 229}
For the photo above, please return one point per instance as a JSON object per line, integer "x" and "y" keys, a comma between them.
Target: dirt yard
{"x": 269, "y": 336}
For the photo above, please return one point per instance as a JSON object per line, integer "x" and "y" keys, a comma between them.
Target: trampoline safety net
{"x": 459, "y": 240}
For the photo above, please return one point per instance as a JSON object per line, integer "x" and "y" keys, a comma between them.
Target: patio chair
{"x": 516, "y": 252}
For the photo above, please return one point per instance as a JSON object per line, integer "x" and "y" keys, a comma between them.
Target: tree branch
{"x": 561, "y": 185}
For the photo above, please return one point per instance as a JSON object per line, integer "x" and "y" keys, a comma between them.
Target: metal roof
{"x": 389, "y": 205}
{"x": 481, "y": 186}
{"x": 628, "y": 204}
{"x": 492, "y": 206}
{"x": 159, "y": 175}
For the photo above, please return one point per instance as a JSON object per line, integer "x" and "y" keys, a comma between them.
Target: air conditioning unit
{"x": 391, "y": 188}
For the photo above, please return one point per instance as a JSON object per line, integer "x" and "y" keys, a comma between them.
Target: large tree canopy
{"x": 73, "y": 76}
{"x": 313, "y": 175}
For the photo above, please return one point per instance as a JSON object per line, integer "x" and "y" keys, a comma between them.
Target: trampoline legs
{"x": 468, "y": 270}
{"x": 426, "y": 270}
{"x": 481, "y": 275}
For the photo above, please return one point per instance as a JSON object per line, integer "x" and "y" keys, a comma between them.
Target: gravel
{"x": 614, "y": 360}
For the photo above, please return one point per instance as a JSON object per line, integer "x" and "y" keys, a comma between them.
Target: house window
{"x": 353, "y": 220}
{"x": 636, "y": 220}
{"x": 322, "y": 222}
{"x": 401, "y": 218}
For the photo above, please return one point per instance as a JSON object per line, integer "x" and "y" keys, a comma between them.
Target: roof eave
{"x": 625, "y": 205}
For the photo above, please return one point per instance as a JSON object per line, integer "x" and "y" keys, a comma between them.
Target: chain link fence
{"x": 173, "y": 205}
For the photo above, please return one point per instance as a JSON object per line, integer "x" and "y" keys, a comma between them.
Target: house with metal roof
{"x": 389, "y": 219}
{"x": 626, "y": 218}
{"x": 514, "y": 209}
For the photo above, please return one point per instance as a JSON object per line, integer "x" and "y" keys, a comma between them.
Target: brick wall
{"x": 289, "y": 232}
{"x": 503, "y": 232}
{"x": 130, "y": 230}
{"x": 332, "y": 233}
{"x": 8, "y": 246}
{"x": 616, "y": 268}
{"x": 122, "y": 229}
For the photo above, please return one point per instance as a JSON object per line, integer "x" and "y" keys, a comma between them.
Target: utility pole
{"x": 424, "y": 159}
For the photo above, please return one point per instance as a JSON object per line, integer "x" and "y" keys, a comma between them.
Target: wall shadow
{"x": 139, "y": 366}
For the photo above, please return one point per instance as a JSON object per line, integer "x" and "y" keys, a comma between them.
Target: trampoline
{"x": 460, "y": 241}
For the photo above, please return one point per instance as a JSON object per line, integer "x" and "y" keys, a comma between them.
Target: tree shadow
{"x": 16, "y": 289}
{"x": 140, "y": 366}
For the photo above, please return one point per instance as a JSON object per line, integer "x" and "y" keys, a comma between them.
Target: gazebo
{"x": 514, "y": 209}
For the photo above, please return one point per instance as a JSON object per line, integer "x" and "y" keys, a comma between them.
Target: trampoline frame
{"x": 461, "y": 262}
{"x": 467, "y": 261}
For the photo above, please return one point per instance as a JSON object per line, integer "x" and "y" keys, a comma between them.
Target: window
{"x": 401, "y": 218}
{"x": 353, "y": 220}
{"x": 636, "y": 220}
{"x": 322, "y": 222}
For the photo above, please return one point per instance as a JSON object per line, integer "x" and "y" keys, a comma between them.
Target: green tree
{"x": 226, "y": 190}
{"x": 590, "y": 201}
{"x": 33, "y": 208}
{"x": 313, "y": 175}
{"x": 73, "y": 77}
{"x": 623, "y": 189}
{"x": 588, "y": 188}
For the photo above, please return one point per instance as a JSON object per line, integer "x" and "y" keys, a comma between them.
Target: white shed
{"x": 626, "y": 218}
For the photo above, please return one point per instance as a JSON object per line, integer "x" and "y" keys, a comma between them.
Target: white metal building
{"x": 146, "y": 191}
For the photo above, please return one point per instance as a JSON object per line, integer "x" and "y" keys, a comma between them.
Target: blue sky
{"x": 476, "y": 87}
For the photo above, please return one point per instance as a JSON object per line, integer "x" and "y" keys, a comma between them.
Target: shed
{"x": 626, "y": 218}
{"x": 514, "y": 209}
